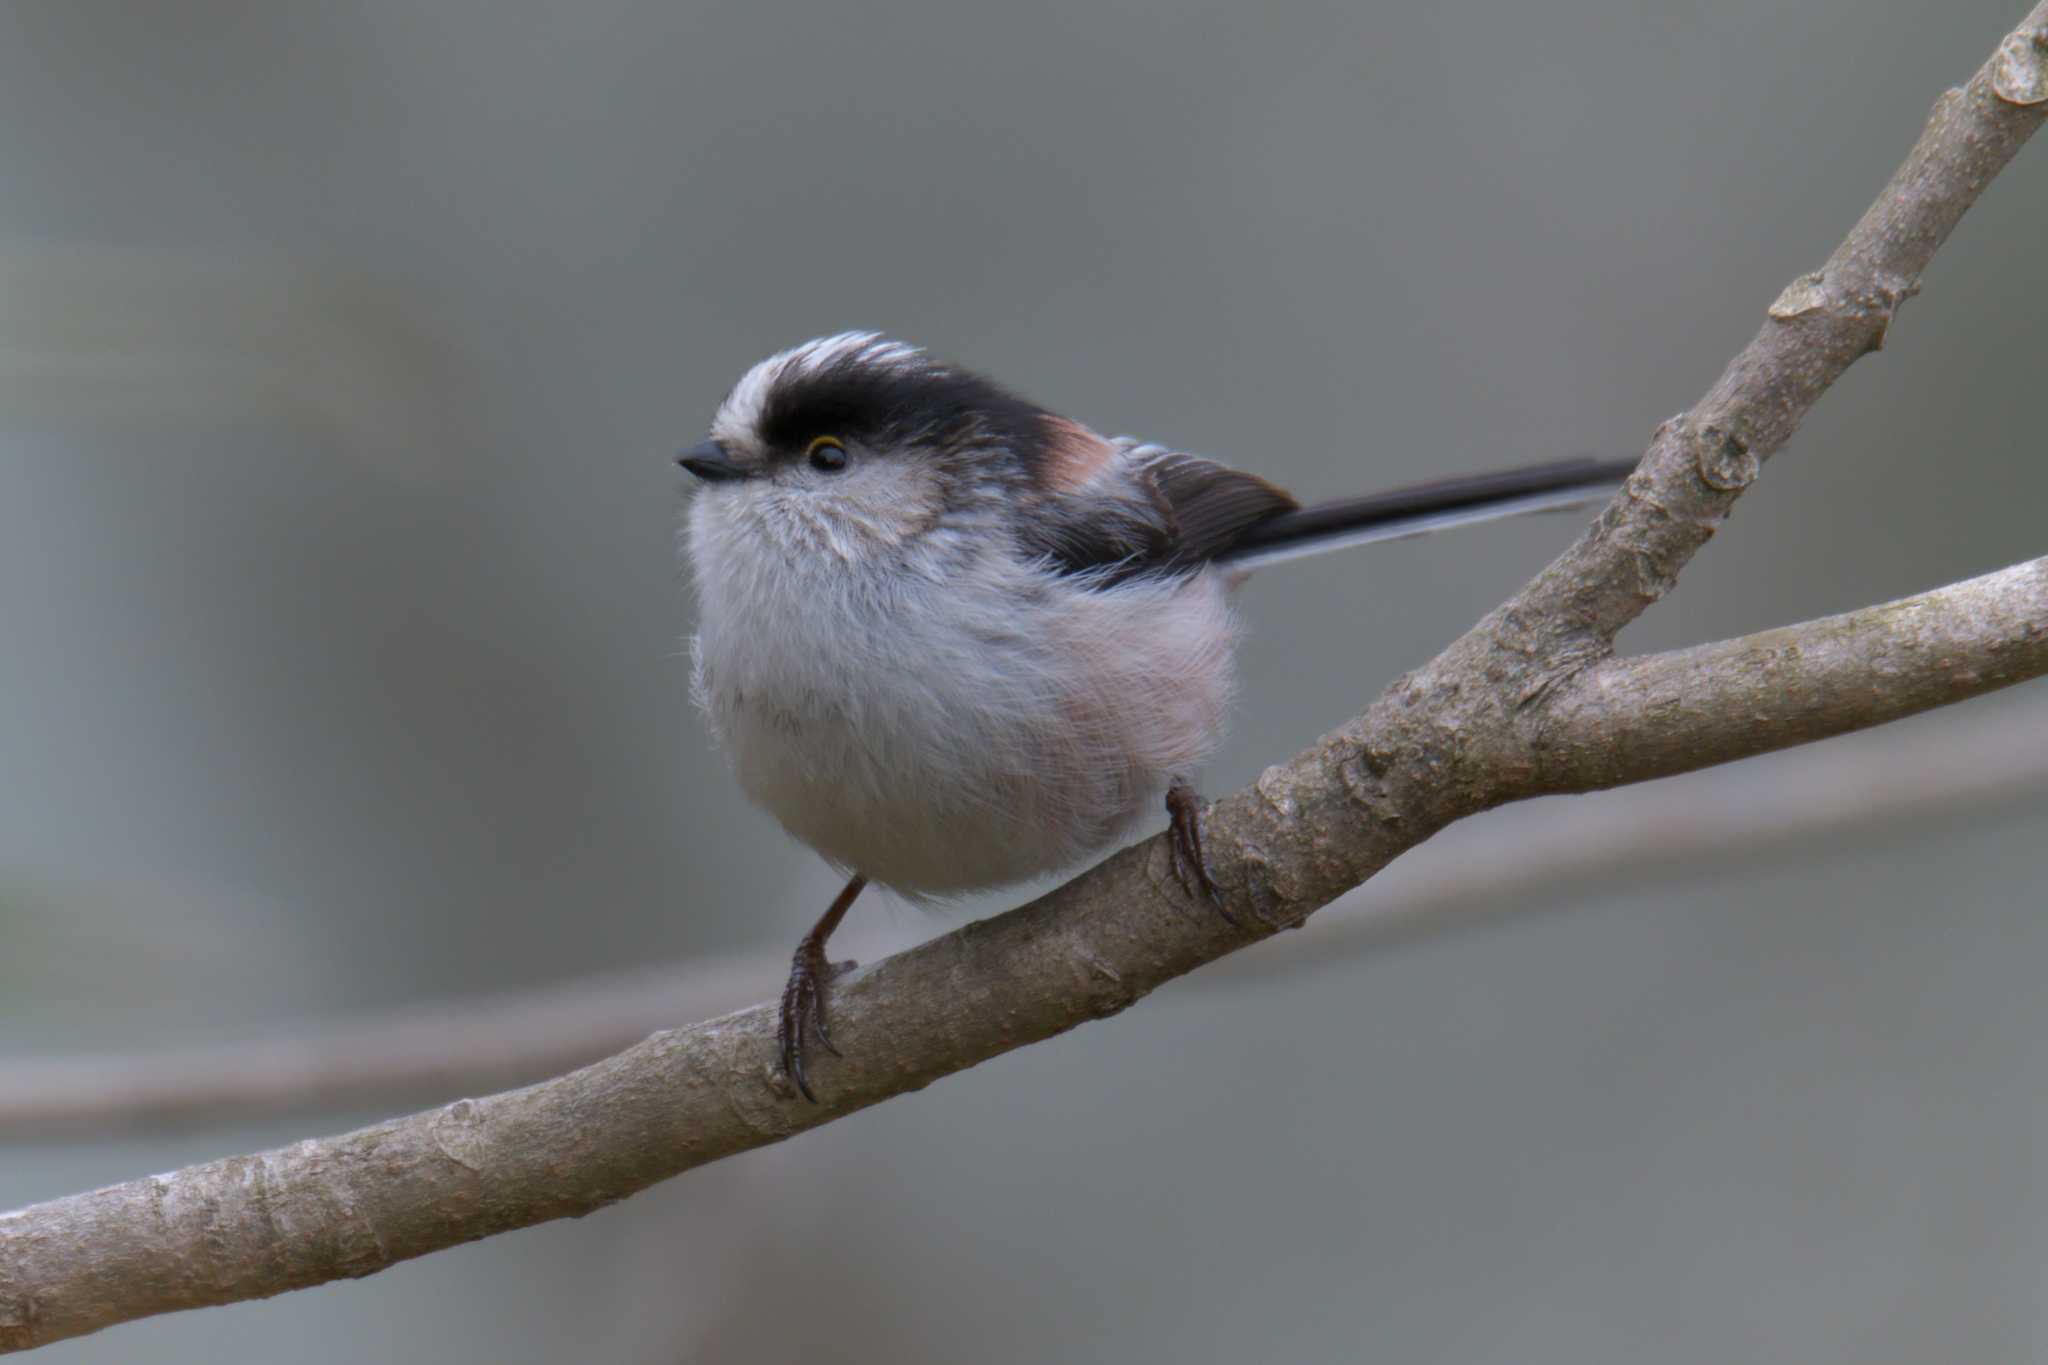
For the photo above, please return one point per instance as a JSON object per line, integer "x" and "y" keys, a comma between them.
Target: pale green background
{"x": 343, "y": 353}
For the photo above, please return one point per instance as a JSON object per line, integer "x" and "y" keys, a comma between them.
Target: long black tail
{"x": 1425, "y": 507}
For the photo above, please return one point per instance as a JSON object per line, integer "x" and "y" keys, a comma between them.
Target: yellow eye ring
{"x": 826, "y": 455}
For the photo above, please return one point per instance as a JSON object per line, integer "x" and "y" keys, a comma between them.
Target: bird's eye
{"x": 826, "y": 455}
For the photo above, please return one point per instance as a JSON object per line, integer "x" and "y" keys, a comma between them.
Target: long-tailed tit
{"x": 952, "y": 640}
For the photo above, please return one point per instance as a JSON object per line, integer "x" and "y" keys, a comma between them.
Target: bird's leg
{"x": 803, "y": 999}
{"x": 1184, "y": 842}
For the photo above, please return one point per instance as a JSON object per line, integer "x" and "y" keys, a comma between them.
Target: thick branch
{"x": 252, "y": 1226}
{"x": 1465, "y": 733}
{"x": 1632, "y": 719}
{"x": 1476, "y": 870}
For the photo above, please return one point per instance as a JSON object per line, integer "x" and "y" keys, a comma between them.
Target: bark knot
{"x": 2019, "y": 74}
{"x": 1364, "y": 776}
{"x": 459, "y": 1136}
{"x": 1724, "y": 459}
{"x": 1802, "y": 296}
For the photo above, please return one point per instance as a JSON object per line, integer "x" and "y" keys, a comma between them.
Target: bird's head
{"x": 856, "y": 447}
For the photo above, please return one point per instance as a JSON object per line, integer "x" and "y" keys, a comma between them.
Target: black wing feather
{"x": 1173, "y": 514}
{"x": 1101, "y": 537}
{"x": 1212, "y": 505}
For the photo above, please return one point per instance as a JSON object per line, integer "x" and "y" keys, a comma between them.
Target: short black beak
{"x": 708, "y": 463}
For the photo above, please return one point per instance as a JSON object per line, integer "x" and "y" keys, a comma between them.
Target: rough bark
{"x": 1518, "y": 706}
{"x": 1474, "y": 871}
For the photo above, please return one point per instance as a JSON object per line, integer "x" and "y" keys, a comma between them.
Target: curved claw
{"x": 1184, "y": 842}
{"x": 802, "y": 1004}
{"x": 827, "y": 972}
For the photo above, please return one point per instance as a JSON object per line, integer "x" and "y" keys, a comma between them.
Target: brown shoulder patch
{"x": 1073, "y": 455}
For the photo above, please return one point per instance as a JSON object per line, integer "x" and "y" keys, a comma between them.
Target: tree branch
{"x": 1474, "y": 871}
{"x": 1632, "y": 719}
{"x": 1477, "y": 726}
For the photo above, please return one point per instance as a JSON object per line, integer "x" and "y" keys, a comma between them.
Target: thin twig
{"x": 1476, "y": 727}
{"x": 426, "y": 1051}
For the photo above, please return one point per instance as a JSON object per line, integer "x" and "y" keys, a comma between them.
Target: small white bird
{"x": 952, "y": 640}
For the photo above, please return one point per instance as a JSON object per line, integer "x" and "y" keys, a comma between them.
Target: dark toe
{"x": 1184, "y": 840}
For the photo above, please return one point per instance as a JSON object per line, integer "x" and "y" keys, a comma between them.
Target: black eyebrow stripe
{"x": 893, "y": 402}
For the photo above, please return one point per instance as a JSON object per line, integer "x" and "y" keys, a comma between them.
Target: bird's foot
{"x": 803, "y": 1009}
{"x": 803, "y": 999}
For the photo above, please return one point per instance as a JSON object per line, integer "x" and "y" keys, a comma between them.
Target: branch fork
{"x": 1529, "y": 701}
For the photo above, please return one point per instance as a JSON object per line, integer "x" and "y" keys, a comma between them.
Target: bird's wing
{"x": 1121, "y": 509}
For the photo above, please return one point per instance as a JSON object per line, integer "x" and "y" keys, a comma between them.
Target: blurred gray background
{"x": 343, "y": 355}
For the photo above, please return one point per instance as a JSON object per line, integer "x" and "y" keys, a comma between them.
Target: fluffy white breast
{"x": 946, "y": 723}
